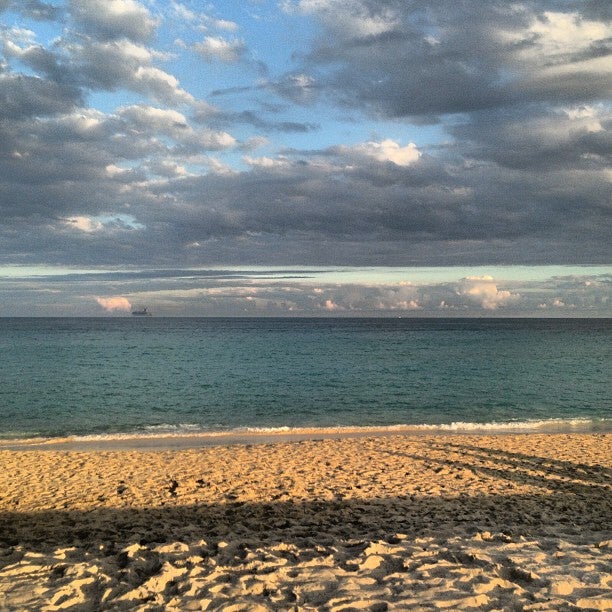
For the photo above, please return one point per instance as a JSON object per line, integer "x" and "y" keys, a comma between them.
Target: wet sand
{"x": 389, "y": 522}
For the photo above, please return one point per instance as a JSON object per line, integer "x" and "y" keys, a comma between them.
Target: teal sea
{"x": 120, "y": 375}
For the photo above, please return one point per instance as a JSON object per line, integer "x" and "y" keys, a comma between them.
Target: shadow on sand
{"x": 414, "y": 550}
{"x": 575, "y": 497}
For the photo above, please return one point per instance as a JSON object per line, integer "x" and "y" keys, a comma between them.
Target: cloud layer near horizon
{"x": 309, "y": 292}
{"x": 163, "y": 134}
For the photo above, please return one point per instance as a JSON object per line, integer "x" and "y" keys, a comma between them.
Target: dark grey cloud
{"x": 341, "y": 205}
{"x": 298, "y": 87}
{"x": 594, "y": 9}
{"x": 523, "y": 178}
{"x": 415, "y": 205}
{"x": 540, "y": 139}
{"x": 39, "y": 59}
{"x": 257, "y": 119}
{"x": 27, "y": 96}
{"x": 427, "y": 59}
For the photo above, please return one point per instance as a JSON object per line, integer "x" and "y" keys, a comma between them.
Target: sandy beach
{"x": 503, "y": 522}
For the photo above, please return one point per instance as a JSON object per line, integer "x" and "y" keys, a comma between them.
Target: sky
{"x": 305, "y": 157}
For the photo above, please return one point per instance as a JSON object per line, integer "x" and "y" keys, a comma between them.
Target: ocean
{"x": 114, "y": 376}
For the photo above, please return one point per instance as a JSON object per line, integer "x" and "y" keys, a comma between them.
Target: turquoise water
{"x": 109, "y": 376}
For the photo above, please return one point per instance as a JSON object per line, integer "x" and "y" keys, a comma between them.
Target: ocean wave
{"x": 535, "y": 425}
{"x": 581, "y": 424}
{"x": 168, "y": 427}
{"x": 193, "y": 430}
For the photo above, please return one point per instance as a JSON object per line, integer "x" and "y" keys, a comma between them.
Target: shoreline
{"x": 186, "y": 439}
{"x": 515, "y": 521}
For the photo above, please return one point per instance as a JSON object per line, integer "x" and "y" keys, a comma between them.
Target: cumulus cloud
{"x": 561, "y": 46}
{"x": 300, "y": 88}
{"x": 146, "y": 120}
{"x": 300, "y": 291}
{"x": 26, "y": 96}
{"x": 182, "y": 12}
{"x": 350, "y": 18}
{"x": 344, "y": 204}
{"x": 576, "y": 137}
{"x": 114, "y": 19}
{"x": 34, "y": 9}
{"x": 161, "y": 85}
{"x": 150, "y": 118}
{"x": 217, "y": 48}
{"x": 387, "y": 150}
{"x": 423, "y": 59}
{"x": 331, "y": 305}
{"x": 521, "y": 173}
{"x": 483, "y": 291}
{"x": 75, "y": 65}
{"x": 85, "y": 224}
{"x": 114, "y": 304}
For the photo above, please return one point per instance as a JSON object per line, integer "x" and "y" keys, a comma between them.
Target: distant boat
{"x": 144, "y": 312}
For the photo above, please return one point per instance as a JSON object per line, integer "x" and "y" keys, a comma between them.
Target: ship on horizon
{"x": 143, "y": 312}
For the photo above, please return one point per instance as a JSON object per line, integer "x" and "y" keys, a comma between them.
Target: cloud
{"x": 346, "y": 204}
{"x": 331, "y": 305}
{"x": 301, "y": 88}
{"x": 114, "y": 304}
{"x": 26, "y": 96}
{"x": 182, "y": 11}
{"x": 149, "y": 118}
{"x": 562, "y": 46}
{"x": 387, "y": 150}
{"x": 38, "y": 10}
{"x": 570, "y": 137}
{"x": 33, "y": 9}
{"x": 114, "y": 19}
{"x": 304, "y": 292}
{"x": 217, "y": 48}
{"x": 85, "y": 224}
{"x": 115, "y": 64}
{"x": 423, "y": 59}
{"x": 95, "y": 126}
{"x": 146, "y": 120}
{"x": 110, "y": 224}
{"x": 257, "y": 120}
{"x": 468, "y": 295}
{"x": 483, "y": 291}
{"x": 74, "y": 66}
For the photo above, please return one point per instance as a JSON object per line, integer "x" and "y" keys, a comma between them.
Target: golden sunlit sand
{"x": 512, "y": 522}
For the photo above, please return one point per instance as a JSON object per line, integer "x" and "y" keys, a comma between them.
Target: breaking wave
{"x": 194, "y": 432}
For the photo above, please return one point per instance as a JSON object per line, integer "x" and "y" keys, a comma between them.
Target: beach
{"x": 368, "y": 522}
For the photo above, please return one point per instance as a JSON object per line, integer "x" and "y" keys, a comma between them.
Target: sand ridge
{"x": 394, "y": 522}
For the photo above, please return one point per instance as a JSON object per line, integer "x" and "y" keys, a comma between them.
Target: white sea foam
{"x": 193, "y": 431}
{"x": 579, "y": 424}
{"x": 170, "y": 428}
{"x": 525, "y": 426}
